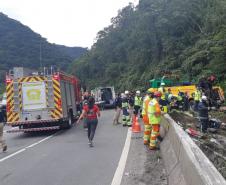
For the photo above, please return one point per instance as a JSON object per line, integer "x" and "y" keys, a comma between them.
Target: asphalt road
{"x": 63, "y": 157}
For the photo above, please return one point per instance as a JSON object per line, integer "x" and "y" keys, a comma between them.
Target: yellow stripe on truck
{"x": 32, "y": 79}
{"x": 57, "y": 111}
{"x": 11, "y": 115}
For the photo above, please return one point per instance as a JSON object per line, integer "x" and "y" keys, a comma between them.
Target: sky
{"x": 65, "y": 22}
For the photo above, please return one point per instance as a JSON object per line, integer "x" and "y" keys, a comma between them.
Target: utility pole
{"x": 40, "y": 54}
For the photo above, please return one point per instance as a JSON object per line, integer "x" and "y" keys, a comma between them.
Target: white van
{"x": 3, "y": 100}
{"x": 104, "y": 95}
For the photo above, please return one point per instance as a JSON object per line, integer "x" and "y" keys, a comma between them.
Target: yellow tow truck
{"x": 186, "y": 87}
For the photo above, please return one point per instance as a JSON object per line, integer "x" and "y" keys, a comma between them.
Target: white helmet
{"x": 137, "y": 92}
{"x": 162, "y": 84}
{"x": 204, "y": 98}
{"x": 126, "y": 92}
{"x": 122, "y": 95}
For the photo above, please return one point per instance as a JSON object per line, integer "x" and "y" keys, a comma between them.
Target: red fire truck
{"x": 37, "y": 101}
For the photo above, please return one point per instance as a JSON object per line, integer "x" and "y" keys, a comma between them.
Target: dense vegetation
{"x": 186, "y": 38}
{"x": 20, "y": 46}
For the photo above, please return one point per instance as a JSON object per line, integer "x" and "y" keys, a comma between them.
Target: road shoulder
{"x": 143, "y": 166}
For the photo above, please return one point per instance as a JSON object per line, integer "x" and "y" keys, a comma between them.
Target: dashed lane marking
{"x": 27, "y": 147}
{"x": 122, "y": 162}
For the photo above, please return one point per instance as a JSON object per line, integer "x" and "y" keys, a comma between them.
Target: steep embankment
{"x": 20, "y": 46}
{"x": 187, "y": 38}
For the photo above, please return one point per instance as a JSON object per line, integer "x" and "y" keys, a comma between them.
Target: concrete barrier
{"x": 185, "y": 163}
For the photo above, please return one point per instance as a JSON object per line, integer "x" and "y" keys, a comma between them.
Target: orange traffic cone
{"x": 136, "y": 126}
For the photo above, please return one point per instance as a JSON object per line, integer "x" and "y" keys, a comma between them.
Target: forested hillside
{"x": 187, "y": 38}
{"x": 20, "y": 46}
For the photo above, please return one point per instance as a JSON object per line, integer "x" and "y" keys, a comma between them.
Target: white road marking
{"x": 122, "y": 163}
{"x": 24, "y": 149}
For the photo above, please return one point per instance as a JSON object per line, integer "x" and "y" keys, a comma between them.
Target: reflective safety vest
{"x": 163, "y": 97}
{"x": 160, "y": 89}
{"x": 179, "y": 98}
{"x": 154, "y": 112}
{"x": 169, "y": 97}
{"x": 145, "y": 105}
{"x": 197, "y": 95}
{"x": 125, "y": 105}
{"x": 138, "y": 101}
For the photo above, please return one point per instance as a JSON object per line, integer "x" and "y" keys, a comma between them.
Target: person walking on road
{"x": 90, "y": 112}
{"x": 85, "y": 103}
{"x": 2, "y": 120}
{"x": 118, "y": 108}
{"x": 154, "y": 115}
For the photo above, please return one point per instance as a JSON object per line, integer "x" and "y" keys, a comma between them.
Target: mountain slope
{"x": 186, "y": 38}
{"x": 20, "y": 46}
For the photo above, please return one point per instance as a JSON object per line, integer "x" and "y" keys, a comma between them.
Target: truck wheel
{"x": 70, "y": 119}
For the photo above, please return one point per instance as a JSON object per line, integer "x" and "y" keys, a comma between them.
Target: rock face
{"x": 215, "y": 150}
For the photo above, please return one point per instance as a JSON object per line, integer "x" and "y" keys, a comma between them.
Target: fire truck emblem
{"x": 33, "y": 94}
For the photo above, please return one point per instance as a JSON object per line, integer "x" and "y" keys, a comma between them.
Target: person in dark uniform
{"x": 185, "y": 99}
{"x": 118, "y": 108}
{"x": 203, "y": 114}
{"x": 2, "y": 120}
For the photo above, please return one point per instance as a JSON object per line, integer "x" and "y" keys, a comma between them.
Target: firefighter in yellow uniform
{"x": 147, "y": 126}
{"x": 154, "y": 115}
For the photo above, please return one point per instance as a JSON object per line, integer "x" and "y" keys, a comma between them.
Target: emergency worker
{"x": 211, "y": 80}
{"x": 130, "y": 98}
{"x": 163, "y": 102}
{"x": 169, "y": 98}
{"x": 2, "y": 120}
{"x": 185, "y": 102}
{"x": 161, "y": 88}
{"x": 197, "y": 98}
{"x": 203, "y": 114}
{"x": 126, "y": 121}
{"x": 169, "y": 95}
{"x": 137, "y": 103}
{"x": 118, "y": 108}
{"x": 180, "y": 100}
{"x": 147, "y": 126}
{"x": 154, "y": 115}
